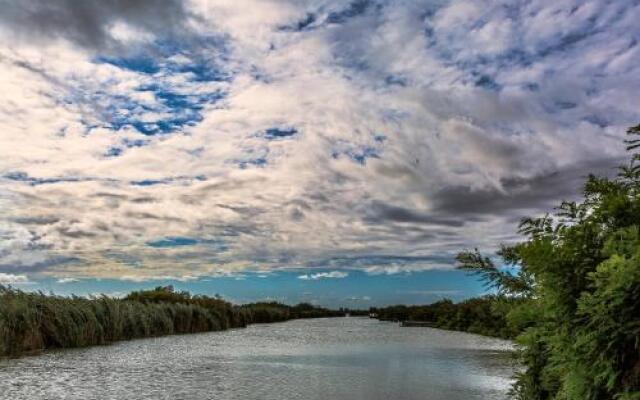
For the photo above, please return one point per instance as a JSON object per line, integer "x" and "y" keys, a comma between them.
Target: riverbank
{"x": 32, "y": 322}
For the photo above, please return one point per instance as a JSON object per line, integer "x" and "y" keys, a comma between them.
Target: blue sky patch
{"x": 380, "y": 138}
{"x": 259, "y": 162}
{"x": 487, "y": 82}
{"x": 597, "y": 120}
{"x": 113, "y": 152}
{"x": 21, "y": 176}
{"x": 279, "y": 133}
{"x": 179, "y": 110}
{"x": 201, "y": 59}
{"x": 358, "y": 153}
{"x": 356, "y": 8}
{"x": 180, "y": 241}
{"x": 150, "y": 182}
{"x": 165, "y": 181}
{"x": 140, "y": 64}
{"x": 311, "y": 20}
{"x": 306, "y": 23}
{"x": 173, "y": 242}
{"x": 131, "y": 143}
{"x": 256, "y": 157}
{"x": 176, "y": 105}
{"x": 395, "y": 80}
{"x": 201, "y": 72}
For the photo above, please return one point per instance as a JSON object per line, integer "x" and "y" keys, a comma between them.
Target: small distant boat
{"x": 426, "y": 324}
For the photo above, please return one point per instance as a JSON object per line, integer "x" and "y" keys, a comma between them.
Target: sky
{"x": 336, "y": 152}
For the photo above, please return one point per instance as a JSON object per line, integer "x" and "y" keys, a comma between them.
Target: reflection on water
{"x": 336, "y": 358}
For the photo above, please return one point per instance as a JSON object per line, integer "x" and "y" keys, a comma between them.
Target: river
{"x": 323, "y": 359}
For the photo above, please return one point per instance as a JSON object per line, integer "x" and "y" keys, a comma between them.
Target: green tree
{"x": 579, "y": 273}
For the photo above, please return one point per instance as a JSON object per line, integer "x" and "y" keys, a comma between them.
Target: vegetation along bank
{"x": 573, "y": 302}
{"x": 32, "y": 322}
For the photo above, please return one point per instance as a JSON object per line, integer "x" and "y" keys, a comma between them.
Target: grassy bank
{"x": 32, "y": 322}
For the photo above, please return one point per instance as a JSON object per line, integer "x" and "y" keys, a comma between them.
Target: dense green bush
{"x": 573, "y": 300}
{"x": 579, "y": 284}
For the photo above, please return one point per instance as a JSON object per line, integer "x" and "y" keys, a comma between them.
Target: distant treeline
{"x": 482, "y": 315}
{"x": 31, "y": 322}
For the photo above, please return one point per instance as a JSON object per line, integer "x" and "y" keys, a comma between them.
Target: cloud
{"x": 194, "y": 139}
{"x": 408, "y": 267}
{"x": 379, "y": 212}
{"x": 67, "y": 280}
{"x": 385, "y": 264}
{"x": 358, "y": 299}
{"x": 13, "y": 279}
{"x": 94, "y": 23}
{"x": 324, "y": 275}
{"x": 142, "y": 278}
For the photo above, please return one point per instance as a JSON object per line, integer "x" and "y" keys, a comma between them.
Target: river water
{"x": 323, "y": 359}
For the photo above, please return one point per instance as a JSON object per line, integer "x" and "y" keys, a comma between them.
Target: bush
{"x": 579, "y": 278}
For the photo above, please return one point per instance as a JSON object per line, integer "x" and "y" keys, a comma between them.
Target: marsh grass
{"x": 30, "y": 322}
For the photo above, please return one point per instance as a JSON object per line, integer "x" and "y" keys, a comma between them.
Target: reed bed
{"x": 30, "y": 322}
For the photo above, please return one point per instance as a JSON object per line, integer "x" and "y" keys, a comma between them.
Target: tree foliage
{"x": 579, "y": 271}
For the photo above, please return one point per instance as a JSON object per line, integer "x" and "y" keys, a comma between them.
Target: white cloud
{"x": 67, "y": 280}
{"x": 404, "y": 268}
{"x": 147, "y": 278}
{"x": 324, "y": 275}
{"x": 359, "y": 298}
{"x": 13, "y": 279}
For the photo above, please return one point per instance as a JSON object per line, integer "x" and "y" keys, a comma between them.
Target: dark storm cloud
{"x": 541, "y": 192}
{"x": 381, "y": 212}
{"x": 36, "y": 220}
{"x": 39, "y": 266}
{"x": 455, "y": 207}
{"x": 87, "y": 23}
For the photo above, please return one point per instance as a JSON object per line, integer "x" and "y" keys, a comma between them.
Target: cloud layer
{"x": 324, "y": 275}
{"x": 139, "y": 142}
{"x": 92, "y": 24}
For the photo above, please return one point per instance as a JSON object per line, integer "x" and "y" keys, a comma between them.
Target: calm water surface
{"x": 324, "y": 359}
